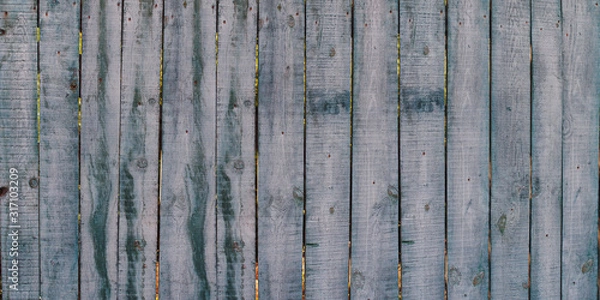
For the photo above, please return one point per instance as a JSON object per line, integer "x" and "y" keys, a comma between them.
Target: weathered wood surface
{"x": 138, "y": 153}
{"x": 187, "y": 208}
{"x": 59, "y": 148}
{"x": 280, "y": 148}
{"x": 19, "y": 148}
{"x": 328, "y": 111}
{"x": 99, "y": 148}
{"x": 236, "y": 160}
{"x": 510, "y": 149}
{"x": 482, "y": 126}
{"x": 375, "y": 199}
{"x": 546, "y": 150}
{"x": 581, "y": 42}
{"x": 468, "y": 149}
{"x": 422, "y": 176}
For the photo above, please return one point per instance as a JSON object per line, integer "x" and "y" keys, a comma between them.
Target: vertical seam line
{"x": 352, "y": 9}
{"x": 490, "y": 170}
{"x": 160, "y": 144}
{"x": 304, "y": 163}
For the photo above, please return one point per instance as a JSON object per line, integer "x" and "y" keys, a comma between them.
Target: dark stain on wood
{"x": 197, "y": 190}
{"x": 146, "y": 8}
{"x": 196, "y": 174}
{"x": 298, "y": 195}
{"x": 128, "y": 196}
{"x": 478, "y": 278}
{"x": 419, "y": 101}
{"x": 230, "y": 146}
{"x": 99, "y": 217}
{"x": 502, "y": 223}
{"x": 241, "y": 9}
{"x": 324, "y": 103}
{"x": 225, "y": 201}
{"x": 536, "y": 187}
{"x": 100, "y": 168}
{"x": 587, "y": 266}
{"x": 197, "y": 56}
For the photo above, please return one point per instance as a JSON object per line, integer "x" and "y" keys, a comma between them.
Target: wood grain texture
{"x": 59, "y": 148}
{"x": 581, "y": 41}
{"x": 546, "y": 150}
{"x": 187, "y": 210}
{"x": 138, "y": 157}
{"x": 19, "y": 148}
{"x": 328, "y": 104}
{"x": 422, "y": 109}
{"x": 374, "y": 273}
{"x": 236, "y": 134}
{"x": 510, "y": 149}
{"x": 99, "y": 153}
{"x": 281, "y": 148}
{"x": 468, "y": 149}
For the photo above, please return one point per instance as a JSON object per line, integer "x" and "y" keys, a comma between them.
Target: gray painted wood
{"x": 374, "y": 273}
{"x": 510, "y": 149}
{"x": 328, "y": 112}
{"x": 138, "y": 157}
{"x": 18, "y": 146}
{"x": 187, "y": 209}
{"x": 59, "y": 148}
{"x": 99, "y": 153}
{"x": 281, "y": 148}
{"x": 581, "y": 41}
{"x": 236, "y": 160}
{"x": 468, "y": 149}
{"x": 422, "y": 177}
{"x": 546, "y": 150}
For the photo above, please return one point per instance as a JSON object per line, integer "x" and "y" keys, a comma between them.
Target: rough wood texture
{"x": 374, "y": 273}
{"x": 100, "y": 95}
{"x": 546, "y": 150}
{"x": 187, "y": 216}
{"x": 281, "y": 148}
{"x": 236, "y": 135}
{"x": 19, "y": 148}
{"x": 581, "y": 41}
{"x": 328, "y": 62}
{"x": 468, "y": 149}
{"x": 510, "y": 137}
{"x": 422, "y": 110}
{"x": 59, "y": 148}
{"x": 138, "y": 159}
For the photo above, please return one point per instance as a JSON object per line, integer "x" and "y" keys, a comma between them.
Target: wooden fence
{"x": 299, "y": 149}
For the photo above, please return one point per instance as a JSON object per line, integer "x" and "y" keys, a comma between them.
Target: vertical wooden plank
{"x": 281, "y": 148}
{"x": 581, "y": 41}
{"x": 510, "y": 149}
{"x": 422, "y": 178}
{"x": 546, "y": 150}
{"x": 99, "y": 172}
{"x": 138, "y": 157}
{"x": 187, "y": 210}
{"x": 468, "y": 149}
{"x": 19, "y": 149}
{"x": 236, "y": 135}
{"x": 374, "y": 273}
{"x": 328, "y": 104}
{"x": 59, "y": 148}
